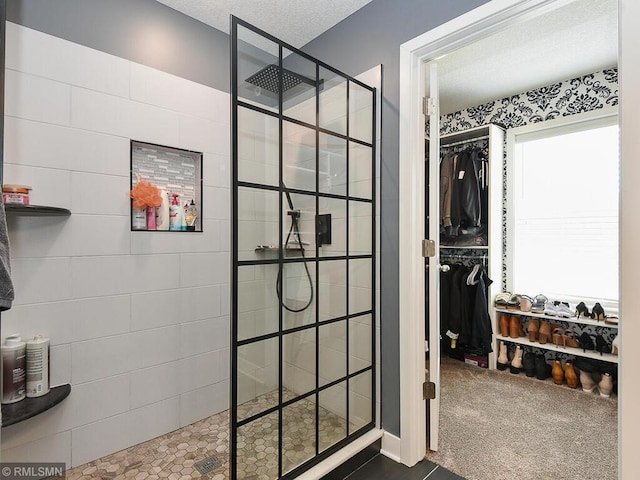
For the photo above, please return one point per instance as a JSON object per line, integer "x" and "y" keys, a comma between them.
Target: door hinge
{"x": 428, "y": 248}
{"x": 428, "y": 106}
{"x": 428, "y": 391}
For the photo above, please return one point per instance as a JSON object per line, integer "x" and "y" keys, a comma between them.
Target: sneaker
{"x": 563, "y": 310}
{"x": 550, "y": 309}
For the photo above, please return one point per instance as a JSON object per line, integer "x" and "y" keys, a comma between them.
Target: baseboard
{"x": 358, "y": 451}
{"x": 391, "y": 447}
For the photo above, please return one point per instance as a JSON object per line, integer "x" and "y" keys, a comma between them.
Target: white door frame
{"x": 472, "y": 26}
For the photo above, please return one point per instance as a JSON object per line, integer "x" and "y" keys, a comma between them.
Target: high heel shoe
{"x": 605, "y": 385}
{"x": 586, "y": 342}
{"x": 588, "y": 385}
{"x": 570, "y": 339}
{"x": 558, "y": 337}
{"x": 544, "y": 332}
{"x": 504, "y": 324}
{"x": 515, "y": 327}
{"x": 503, "y": 359}
{"x": 570, "y": 374}
{"x": 557, "y": 372}
{"x": 601, "y": 345}
{"x": 597, "y": 312}
{"x": 532, "y": 329}
{"x": 582, "y": 310}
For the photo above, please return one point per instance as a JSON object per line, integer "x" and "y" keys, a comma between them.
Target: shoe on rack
{"x": 563, "y": 310}
{"x": 526, "y": 303}
{"x": 551, "y": 309}
{"x": 605, "y": 385}
{"x": 543, "y": 369}
{"x": 586, "y": 342}
{"x": 544, "y": 332}
{"x": 516, "y": 363}
{"x": 611, "y": 319}
{"x": 615, "y": 345}
{"x": 530, "y": 364}
{"x": 588, "y": 385}
{"x": 538, "y": 303}
{"x": 557, "y": 335}
{"x": 570, "y": 339}
{"x": 597, "y": 313}
{"x": 532, "y": 329}
{"x": 503, "y": 323}
{"x": 602, "y": 345}
{"x": 570, "y": 374}
{"x": 502, "y": 299}
{"x": 582, "y": 311}
{"x": 514, "y": 302}
{"x": 557, "y": 372}
{"x": 503, "y": 359}
{"x": 515, "y": 327}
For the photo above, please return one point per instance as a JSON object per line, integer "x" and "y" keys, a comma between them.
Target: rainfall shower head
{"x": 267, "y": 79}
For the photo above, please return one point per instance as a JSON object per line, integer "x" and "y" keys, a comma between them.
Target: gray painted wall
{"x": 152, "y": 34}
{"x": 370, "y": 37}
{"x": 143, "y": 31}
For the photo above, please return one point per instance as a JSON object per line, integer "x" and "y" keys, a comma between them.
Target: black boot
{"x": 543, "y": 369}
{"x": 530, "y": 364}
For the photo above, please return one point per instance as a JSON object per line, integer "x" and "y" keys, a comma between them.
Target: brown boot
{"x": 557, "y": 373}
{"x": 504, "y": 324}
{"x": 515, "y": 327}
{"x": 570, "y": 374}
{"x": 532, "y": 329}
{"x": 544, "y": 332}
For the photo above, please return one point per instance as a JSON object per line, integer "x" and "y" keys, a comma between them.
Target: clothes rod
{"x": 462, "y": 142}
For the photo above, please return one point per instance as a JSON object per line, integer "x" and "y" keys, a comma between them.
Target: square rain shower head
{"x": 267, "y": 79}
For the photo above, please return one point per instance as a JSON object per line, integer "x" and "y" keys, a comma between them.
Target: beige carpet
{"x": 499, "y": 426}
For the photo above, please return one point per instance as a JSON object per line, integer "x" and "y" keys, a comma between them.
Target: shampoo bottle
{"x": 175, "y": 219}
{"x": 14, "y": 365}
{"x": 162, "y": 212}
{"x": 192, "y": 216}
{"x": 37, "y": 366}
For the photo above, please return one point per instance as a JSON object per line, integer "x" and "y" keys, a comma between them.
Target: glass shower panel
{"x": 332, "y": 415}
{"x": 333, "y": 352}
{"x": 360, "y": 285}
{"x": 298, "y": 433}
{"x": 258, "y": 70}
{"x": 299, "y": 362}
{"x": 298, "y": 294}
{"x": 332, "y": 289}
{"x": 360, "y": 171}
{"x": 299, "y": 157}
{"x": 258, "y": 148}
{"x": 360, "y": 401}
{"x": 258, "y": 223}
{"x": 360, "y": 343}
{"x": 338, "y": 210}
{"x": 257, "y": 449}
{"x": 360, "y": 227}
{"x": 332, "y": 165}
{"x": 257, "y": 377}
{"x": 299, "y": 92}
{"x": 360, "y": 113}
{"x": 333, "y": 101}
{"x": 257, "y": 301}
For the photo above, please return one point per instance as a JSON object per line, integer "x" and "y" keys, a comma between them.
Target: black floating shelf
{"x": 36, "y": 210}
{"x": 30, "y": 407}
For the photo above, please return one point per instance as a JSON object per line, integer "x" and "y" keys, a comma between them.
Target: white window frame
{"x": 564, "y": 125}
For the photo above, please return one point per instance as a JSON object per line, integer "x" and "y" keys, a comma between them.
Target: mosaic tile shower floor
{"x": 173, "y": 456}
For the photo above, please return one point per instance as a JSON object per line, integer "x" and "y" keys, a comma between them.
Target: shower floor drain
{"x": 207, "y": 465}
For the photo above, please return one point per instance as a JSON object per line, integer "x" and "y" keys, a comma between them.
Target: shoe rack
{"x": 578, "y": 352}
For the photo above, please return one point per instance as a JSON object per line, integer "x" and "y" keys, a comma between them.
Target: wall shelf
{"x": 605, "y": 357}
{"x": 36, "y": 211}
{"x": 581, "y": 320}
{"x": 30, "y": 407}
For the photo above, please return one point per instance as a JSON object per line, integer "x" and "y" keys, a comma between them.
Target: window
{"x": 563, "y": 190}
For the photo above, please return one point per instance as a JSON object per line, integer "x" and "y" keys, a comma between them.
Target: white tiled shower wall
{"x": 138, "y": 321}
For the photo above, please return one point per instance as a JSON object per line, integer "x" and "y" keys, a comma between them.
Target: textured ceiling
{"x": 576, "y": 39}
{"x": 296, "y": 22}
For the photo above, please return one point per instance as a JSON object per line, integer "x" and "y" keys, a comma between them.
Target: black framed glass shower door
{"x": 303, "y": 273}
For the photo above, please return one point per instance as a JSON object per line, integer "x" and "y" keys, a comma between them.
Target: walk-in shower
{"x": 303, "y": 292}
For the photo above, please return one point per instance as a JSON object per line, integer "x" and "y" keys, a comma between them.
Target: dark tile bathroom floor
{"x": 383, "y": 468}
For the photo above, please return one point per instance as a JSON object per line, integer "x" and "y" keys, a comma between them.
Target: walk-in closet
{"x": 527, "y": 245}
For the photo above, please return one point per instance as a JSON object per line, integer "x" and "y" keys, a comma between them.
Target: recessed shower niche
{"x": 166, "y": 183}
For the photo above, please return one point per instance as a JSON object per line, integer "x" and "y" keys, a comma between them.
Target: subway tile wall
{"x": 138, "y": 321}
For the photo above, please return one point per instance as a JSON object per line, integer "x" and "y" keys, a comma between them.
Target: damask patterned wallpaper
{"x": 578, "y": 95}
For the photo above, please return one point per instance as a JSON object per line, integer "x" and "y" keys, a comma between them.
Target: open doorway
{"x": 516, "y": 105}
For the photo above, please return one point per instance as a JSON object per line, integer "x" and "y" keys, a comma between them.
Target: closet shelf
{"x": 30, "y": 407}
{"x": 36, "y": 210}
{"x": 605, "y": 357}
{"x": 582, "y": 321}
{"x": 473, "y": 247}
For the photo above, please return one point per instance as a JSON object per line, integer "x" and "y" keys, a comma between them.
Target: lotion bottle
{"x": 162, "y": 212}
{"x": 175, "y": 218}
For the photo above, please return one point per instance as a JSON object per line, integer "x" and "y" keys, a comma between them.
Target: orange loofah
{"x": 145, "y": 195}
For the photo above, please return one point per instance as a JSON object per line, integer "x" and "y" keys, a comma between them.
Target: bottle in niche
{"x": 37, "y": 366}
{"x": 13, "y": 369}
{"x": 175, "y": 222}
{"x": 138, "y": 219}
{"x": 192, "y": 216}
